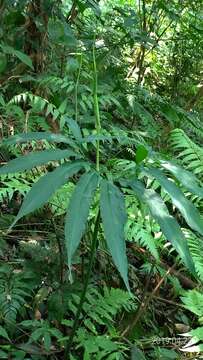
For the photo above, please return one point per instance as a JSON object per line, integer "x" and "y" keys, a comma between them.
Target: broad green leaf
{"x": 36, "y": 334}
{"x": 19, "y": 54}
{"x": 186, "y": 207}
{"x": 33, "y": 159}
{"x": 3, "y": 333}
{"x": 3, "y": 355}
{"x": 141, "y": 154}
{"x": 24, "y": 58}
{"x": 47, "y": 341}
{"x": 168, "y": 224}
{"x": 114, "y": 217}
{"x": 78, "y": 211}
{"x": 185, "y": 177}
{"x": 170, "y": 113}
{"x": 36, "y": 136}
{"x": 136, "y": 353}
{"x": 45, "y": 187}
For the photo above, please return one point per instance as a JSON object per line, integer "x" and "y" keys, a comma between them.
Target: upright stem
{"x": 83, "y": 295}
{"x": 143, "y": 49}
{"x": 76, "y": 88}
{"x": 96, "y": 108}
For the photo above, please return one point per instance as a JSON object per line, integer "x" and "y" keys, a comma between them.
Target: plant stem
{"x": 83, "y": 295}
{"x": 96, "y": 107}
{"x": 76, "y": 88}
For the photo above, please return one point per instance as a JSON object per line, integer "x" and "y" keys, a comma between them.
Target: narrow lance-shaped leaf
{"x": 185, "y": 177}
{"x": 19, "y": 54}
{"x": 78, "y": 211}
{"x": 45, "y": 187}
{"x": 168, "y": 224}
{"x": 74, "y": 127}
{"x": 27, "y": 162}
{"x": 141, "y": 154}
{"x": 114, "y": 217}
{"x": 36, "y": 136}
{"x": 186, "y": 207}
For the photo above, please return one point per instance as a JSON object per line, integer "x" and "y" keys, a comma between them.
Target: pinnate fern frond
{"x": 189, "y": 153}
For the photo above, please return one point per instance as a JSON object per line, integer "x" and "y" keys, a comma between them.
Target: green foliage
{"x": 100, "y": 97}
{"x": 101, "y": 310}
{"x": 190, "y": 153}
{"x": 114, "y": 218}
{"x": 15, "y": 291}
{"x": 81, "y": 199}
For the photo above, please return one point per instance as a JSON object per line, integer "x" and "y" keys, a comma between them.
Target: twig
{"x": 144, "y": 304}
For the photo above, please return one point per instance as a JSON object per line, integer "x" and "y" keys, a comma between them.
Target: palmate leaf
{"x": 36, "y": 136}
{"x": 186, "y": 207}
{"x": 45, "y": 187}
{"x": 168, "y": 224}
{"x": 78, "y": 211}
{"x": 114, "y": 217}
{"x": 36, "y": 158}
{"x": 185, "y": 177}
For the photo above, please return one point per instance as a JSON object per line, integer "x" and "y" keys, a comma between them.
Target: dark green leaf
{"x": 3, "y": 333}
{"x": 187, "y": 209}
{"x": 3, "y": 62}
{"x": 185, "y": 177}
{"x": 36, "y": 136}
{"x": 3, "y": 355}
{"x": 47, "y": 341}
{"x": 37, "y": 158}
{"x": 170, "y": 113}
{"x": 45, "y": 187}
{"x": 78, "y": 211}
{"x": 168, "y": 224}
{"x": 74, "y": 128}
{"x": 137, "y": 354}
{"x": 114, "y": 217}
{"x": 20, "y": 55}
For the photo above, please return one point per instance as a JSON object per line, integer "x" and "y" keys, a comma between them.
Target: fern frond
{"x": 192, "y": 301}
{"x": 196, "y": 250}
{"x": 14, "y": 293}
{"x": 189, "y": 153}
{"x": 102, "y": 309}
{"x": 139, "y": 230}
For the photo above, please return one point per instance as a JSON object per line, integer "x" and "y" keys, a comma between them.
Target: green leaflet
{"x": 187, "y": 209}
{"x": 140, "y": 111}
{"x": 137, "y": 354}
{"x": 74, "y": 128}
{"x": 93, "y": 138}
{"x": 20, "y": 55}
{"x": 3, "y": 333}
{"x": 141, "y": 154}
{"x": 114, "y": 218}
{"x": 186, "y": 178}
{"x": 33, "y": 159}
{"x": 36, "y": 136}
{"x": 44, "y": 188}
{"x": 168, "y": 224}
{"x": 170, "y": 113}
{"x": 78, "y": 211}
